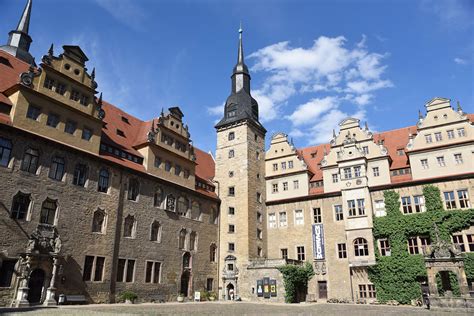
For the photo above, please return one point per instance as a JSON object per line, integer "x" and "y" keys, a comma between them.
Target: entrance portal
{"x": 35, "y": 286}
{"x": 230, "y": 292}
{"x": 323, "y": 289}
{"x": 185, "y": 283}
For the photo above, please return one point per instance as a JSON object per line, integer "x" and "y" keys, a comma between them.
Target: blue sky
{"x": 312, "y": 62}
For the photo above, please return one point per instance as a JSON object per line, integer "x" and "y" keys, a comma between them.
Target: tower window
{"x": 231, "y": 113}
{"x": 231, "y": 153}
{"x": 231, "y": 136}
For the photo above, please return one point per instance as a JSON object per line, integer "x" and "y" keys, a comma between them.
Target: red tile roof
{"x": 10, "y": 70}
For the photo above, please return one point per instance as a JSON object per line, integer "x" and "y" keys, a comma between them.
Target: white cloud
{"x": 217, "y": 110}
{"x": 460, "y": 61}
{"x": 308, "y": 112}
{"x": 127, "y": 12}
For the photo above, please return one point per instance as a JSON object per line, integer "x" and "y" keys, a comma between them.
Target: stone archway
{"x": 230, "y": 292}
{"x": 36, "y": 286}
{"x": 185, "y": 283}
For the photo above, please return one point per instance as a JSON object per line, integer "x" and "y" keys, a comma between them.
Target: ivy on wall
{"x": 397, "y": 277}
{"x": 453, "y": 283}
{"x": 295, "y": 278}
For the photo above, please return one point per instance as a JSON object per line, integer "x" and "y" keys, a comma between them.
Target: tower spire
{"x": 19, "y": 40}
{"x": 240, "y": 58}
{"x": 24, "y": 23}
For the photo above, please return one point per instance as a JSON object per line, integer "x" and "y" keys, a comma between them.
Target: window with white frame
{"x": 461, "y": 132}
{"x": 296, "y": 184}
{"x": 361, "y": 206}
{"x": 357, "y": 171}
{"x": 428, "y": 138}
{"x": 441, "y": 161}
{"x": 275, "y": 188}
{"x": 413, "y": 246}
{"x": 341, "y": 251}
{"x": 283, "y": 219}
{"x": 271, "y": 220}
{"x": 380, "y": 208}
{"x": 458, "y": 159}
{"x": 275, "y": 167}
{"x": 365, "y": 150}
{"x": 351, "y": 206}
{"x": 155, "y": 231}
{"x": 338, "y": 212}
{"x": 361, "y": 247}
{"x": 449, "y": 200}
{"x": 347, "y": 173}
{"x": 459, "y": 242}
{"x": 285, "y": 186}
{"x": 99, "y": 221}
{"x": 300, "y": 253}
{"x": 335, "y": 178}
{"x": 384, "y": 247}
{"x": 406, "y": 205}
{"x": 424, "y": 163}
{"x": 290, "y": 164}
{"x": 463, "y": 199}
{"x": 450, "y": 134}
{"x": 438, "y": 136}
{"x": 376, "y": 171}
{"x": 317, "y": 215}
{"x": 299, "y": 217}
{"x": 419, "y": 201}
{"x": 129, "y": 227}
{"x": 283, "y": 165}
{"x": 126, "y": 270}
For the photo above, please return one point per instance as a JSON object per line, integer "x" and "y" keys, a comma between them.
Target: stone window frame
{"x": 290, "y": 164}
{"x": 335, "y": 177}
{"x": 193, "y": 241}
{"x": 407, "y": 206}
{"x": 441, "y": 161}
{"x": 27, "y": 213}
{"x": 213, "y": 252}
{"x": 80, "y": 176}
{"x": 231, "y": 136}
{"x": 56, "y": 211}
{"x": 93, "y": 269}
{"x": 158, "y": 197}
{"x": 438, "y": 136}
{"x": 87, "y": 133}
{"x": 182, "y": 239}
{"x": 317, "y": 215}
{"x": 10, "y": 264}
{"x": 361, "y": 247}
{"x": 231, "y": 247}
{"x": 125, "y": 270}
{"x": 196, "y": 210}
{"x": 300, "y": 253}
{"x": 463, "y": 200}
{"x": 231, "y": 229}
{"x": 458, "y": 158}
{"x": 133, "y": 189}
{"x": 6, "y": 146}
{"x": 153, "y": 276}
{"x": 53, "y": 120}
{"x": 450, "y": 133}
{"x": 275, "y": 187}
{"x": 424, "y": 164}
{"x": 33, "y": 112}
{"x": 155, "y": 236}
{"x": 284, "y": 253}
{"x": 384, "y": 247}
{"x": 231, "y": 153}
{"x": 299, "y": 221}
{"x": 376, "y": 171}
{"x": 341, "y": 250}
{"x": 100, "y": 182}
{"x": 449, "y": 203}
{"x": 378, "y": 211}
{"x": 33, "y": 164}
{"x": 70, "y": 127}
{"x": 458, "y": 241}
{"x": 133, "y": 228}
{"x": 271, "y": 223}
{"x": 57, "y": 168}
{"x": 338, "y": 212}
{"x": 103, "y": 227}
{"x": 285, "y": 222}
{"x": 419, "y": 203}
{"x": 461, "y": 132}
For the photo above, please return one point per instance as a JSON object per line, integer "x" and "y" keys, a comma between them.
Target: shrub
{"x": 128, "y": 295}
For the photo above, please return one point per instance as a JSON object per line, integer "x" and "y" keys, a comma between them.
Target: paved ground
{"x": 225, "y": 308}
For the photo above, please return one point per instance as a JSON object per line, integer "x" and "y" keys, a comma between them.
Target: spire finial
{"x": 333, "y": 133}
{"x": 459, "y": 108}
{"x": 366, "y": 126}
{"x": 420, "y": 115}
{"x": 240, "y": 59}
{"x": 93, "y": 74}
{"x": 24, "y": 23}
{"x": 51, "y": 50}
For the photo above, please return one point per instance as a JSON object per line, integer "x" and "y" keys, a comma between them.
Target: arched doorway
{"x": 185, "y": 283}
{"x": 35, "y": 286}
{"x": 230, "y": 292}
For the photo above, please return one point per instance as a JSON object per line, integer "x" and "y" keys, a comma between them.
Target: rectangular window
{"x": 209, "y": 284}
{"x": 419, "y": 201}
{"x": 351, "y": 206}
{"x": 285, "y": 186}
{"x": 413, "y": 246}
{"x": 86, "y": 133}
{"x": 231, "y": 246}
{"x": 406, "y": 205}
{"x": 75, "y": 95}
{"x": 424, "y": 242}
{"x": 283, "y": 165}
{"x": 362, "y": 291}
{"x": 335, "y": 178}
{"x": 470, "y": 242}
{"x": 338, "y": 212}
{"x": 5, "y": 151}
{"x": 80, "y": 175}
{"x": 458, "y": 159}
{"x": 438, "y": 137}
{"x": 259, "y": 217}
{"x": 341, "y": 251}
{"x": 361, "y": 206}
{"x": 300, "y": 253}
{"x": 365, "y": 150}
{"x": 428, "y": 139}
{"x": 275, "y": 188}
{"x": 7, "y": 271}
{"x": 284, "y": 253}
{"x": 424, "y": 163}
{"x": 449, "y": 200}
{"x": 283, "y": 219}
{"x": 84, "y": 100}
{"x": 384, "y": 247}
{"x": 275, "y": 167}
{"x": 463, "y": 199}
{"x": 290, "y": 164}
{"x": 33, "y": 112}
{"x": 441, "y": 161}
{"x": 379, "y": 208}
{"x": 376, "y": 171}
{"x": 231, "y": 210}
{"x": 53, "y": 120}
{"x": 157, "y": 162}
{"x": 450, "y": 134}
{"x": 400, "y": 152}
{"x": 259, "y": 233}
{"x": 272, "y": 220}
{"x": 371, "y": 291}
{"x": 231, "y": 229}
{"x": 459, "y": 242}
{"x": 99, "y": 268}
{"x": 461, "y": 132}
{"x": 317, "y": 217}
{"x": 357, "y": 171}
{"x": 125, "y": 270}
{"x": 347, "y": 173}
{"x": 231, "y": 191}
{"x": 48, "y": 83}
{"x": 60, "y": 88}
{"x": 296, "y": 184}
{"x": 167, "y": 166}
{"x": 299, "y": 218}
{"x": 177, "y": 170}
{"x": 88, "y": 264}
{"x": 70, "y": 127}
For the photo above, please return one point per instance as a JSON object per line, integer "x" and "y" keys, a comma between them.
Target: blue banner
{"x": 318, "y": 241}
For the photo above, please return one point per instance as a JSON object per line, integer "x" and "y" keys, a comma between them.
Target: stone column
{"x": 51, "y": 291}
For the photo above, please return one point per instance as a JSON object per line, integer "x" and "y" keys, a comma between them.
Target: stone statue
{"x": 441, "y": 248}
{"x": 57, "y": 245}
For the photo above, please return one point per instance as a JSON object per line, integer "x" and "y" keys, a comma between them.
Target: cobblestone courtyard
{"x": 218, "y": 308}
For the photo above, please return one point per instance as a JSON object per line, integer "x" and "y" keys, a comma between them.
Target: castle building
{"x": 96, "y": 202}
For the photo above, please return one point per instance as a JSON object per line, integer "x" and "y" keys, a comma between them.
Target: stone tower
{"x": 240, "y": 173}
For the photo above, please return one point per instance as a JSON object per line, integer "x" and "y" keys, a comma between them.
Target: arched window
{"x": 182, "y": 239}
{"x": 187, "y": 261}
{"x": 158, "y": 197}
{"x": 20, "y": 206}
{"x": 133, "y": 189}
{"x": 129, "y": 227}
{"x": 80, "y": 175}
{"x": 48, "y": 212}
{"x": 213, "y": 252}
{"x": 183, "y": 205}
{"x": 5, "y": 151}
{"x": 193, "y": 241}
{"x": 214, "y": 216}
{"x": 361, "y": 247}
{"x": 103, "y": 184}
{"x": 30, "y": 161}
{"x": 98, "y": 222}
{"x": 56, "y": 171}
{"x": 155, "y": 232}
{"x": 196, "y": 211}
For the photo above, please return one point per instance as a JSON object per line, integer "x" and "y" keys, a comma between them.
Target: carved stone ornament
{"x": 320, "y": 268}
{"x": 441, "y": 248}
{"x": 26, "y": 78}
{"x": 44, "y": 239}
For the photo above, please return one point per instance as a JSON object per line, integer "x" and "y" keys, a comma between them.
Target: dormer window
{"x": 231, "y": 113}
{"x": 400, "y": 152}
{"x": 124, "y": 119}
{"x": 120, "y": 133}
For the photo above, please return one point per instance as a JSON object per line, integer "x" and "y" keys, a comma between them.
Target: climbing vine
{"x": 453, "y": 282}
{"x": 294, "y": 278}
{"x": 397, "y": 277}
